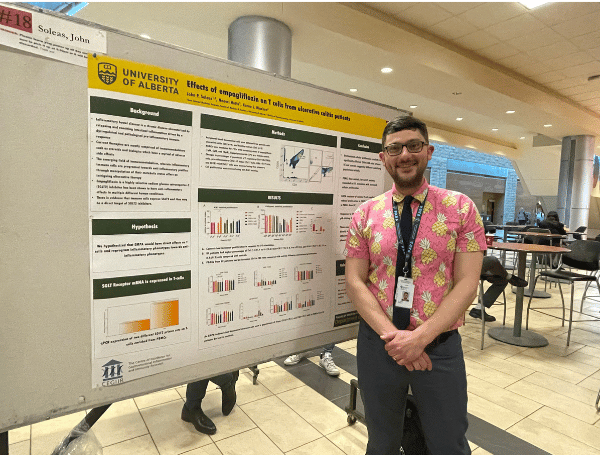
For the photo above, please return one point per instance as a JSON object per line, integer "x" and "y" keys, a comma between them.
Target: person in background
{"x": 326, "y": 361}
{"x": 539, "y": 214}
{"x": 195, "y": 393}
{"x": 493, "y": 272}
{"x": 437, "y": 258}
{"x": 522, "y": 216}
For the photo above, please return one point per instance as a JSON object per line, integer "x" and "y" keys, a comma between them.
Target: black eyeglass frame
{"x": 397, "y": 144}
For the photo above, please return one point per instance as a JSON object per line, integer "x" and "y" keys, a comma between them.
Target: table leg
{"x": 538, "y": 294}
{"x": 515, "y": 335}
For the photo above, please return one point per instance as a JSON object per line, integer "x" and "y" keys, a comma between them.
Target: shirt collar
{"x": 419, "y": 195}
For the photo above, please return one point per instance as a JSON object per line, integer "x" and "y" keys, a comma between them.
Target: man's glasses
{"x": 414, "y": 146}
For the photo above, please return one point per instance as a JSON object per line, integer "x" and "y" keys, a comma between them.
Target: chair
{"x": 489, "y": 227}
{"x": 579, "y": 233}
{"x": 584, "y": 255}
{"x": 483, "y": 278}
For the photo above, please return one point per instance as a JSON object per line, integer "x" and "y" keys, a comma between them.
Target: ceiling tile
{"x": 577, "y": 90}
{"x": 588, "y": 96}
{"x": 423, "y": 14}
{"x": 490, "y": 13}
{"x": 532, "y": 69}
{"x": 516, "y": 61}
{"x": 555, "y": 50}
{"x": 587, "y": 69}
{"x": 457, "y": 7}
{"x": 567, "y": 60}
{"x": 551, "y": 76}
{"x": 476, "y": 40}
{"x": 539, "y": 38}
{"x": 579, "y": 26}
{"x": 557, "y": 12}
{"x": 515, "y": 27}
{"x": 595, "y": 53}
{"x": 587, "y": 41}
{"x": 498, "y": 51}
{"x": 592, "y": 102}
{"x": 452, "y": 28}
{"x": 567, "y": 83}
{"x": 391, "y": 7}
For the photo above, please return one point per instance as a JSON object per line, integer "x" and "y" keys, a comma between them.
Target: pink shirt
{"x": 450, "y": 223}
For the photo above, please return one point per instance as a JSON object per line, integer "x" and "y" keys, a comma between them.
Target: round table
{"x": 515, "y": 335}
{"x": 536, "y": 293}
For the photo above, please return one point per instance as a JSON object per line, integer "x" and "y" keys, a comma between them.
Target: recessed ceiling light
{"x": 413, "y": 106}
{"x": 530, "y": 4}
{"x": 459, "y": 118}
{"x": 547, "y": 125}
{"x": 143, "y": 35}
{"x": 500, "y": 153}
{"x": 510, "y": 112}
{"x": 354, "y": 90}
{"x": 386, "y": 70}
{"x": 494, "y": 129}
{"x": 522, "y": 137}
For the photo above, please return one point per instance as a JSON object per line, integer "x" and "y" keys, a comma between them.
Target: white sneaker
{"x": 328, "y": 365}
{"x": 293, "y": 359}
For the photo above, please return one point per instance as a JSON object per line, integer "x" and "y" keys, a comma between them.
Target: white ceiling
{"x": 496, "y": 56}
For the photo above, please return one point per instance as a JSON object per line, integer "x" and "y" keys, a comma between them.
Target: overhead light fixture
{"x": 530, "y": 4}
{"x": 522, "y": 137}
{"x": 354, "y": 90}
{"x": 459, "y": 119}
{"x": 143, "y": 35}
{"x": 510, "y": 112}
{"x": 413, "y": 106}
{"x": 500, "y": 153}
{"x": 494, "y": 129}
{"x": 386, "y": 70}
{"x": 547, "y": 125}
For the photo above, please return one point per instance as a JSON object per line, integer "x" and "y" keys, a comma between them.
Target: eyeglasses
{"x": 414, "y": 146}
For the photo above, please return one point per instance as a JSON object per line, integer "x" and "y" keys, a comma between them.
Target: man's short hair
{"x": 405, "y": 122}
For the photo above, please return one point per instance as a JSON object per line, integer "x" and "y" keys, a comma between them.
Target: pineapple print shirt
{"x": 450, "y": 223}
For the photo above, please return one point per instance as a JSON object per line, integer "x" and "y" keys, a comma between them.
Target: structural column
{"x": 261, "y": 42}
{"x": 575, "y": 180}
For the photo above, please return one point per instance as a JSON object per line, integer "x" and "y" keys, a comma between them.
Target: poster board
{"x": 224, "y": 253}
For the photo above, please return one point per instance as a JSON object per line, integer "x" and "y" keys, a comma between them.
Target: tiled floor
{"x": 521, "y": 401}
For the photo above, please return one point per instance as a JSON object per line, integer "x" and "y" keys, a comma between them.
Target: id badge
{"x": 404, "y": 292}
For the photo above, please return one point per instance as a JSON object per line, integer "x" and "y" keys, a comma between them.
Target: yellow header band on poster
{"x": 124, "y": 76}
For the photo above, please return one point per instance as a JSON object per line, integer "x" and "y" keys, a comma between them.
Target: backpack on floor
{"x": 413, "y": 439}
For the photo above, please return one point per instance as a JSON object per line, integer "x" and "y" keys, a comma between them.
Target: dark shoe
{"x": 200, "y": 420}
{"x": 476, "y": 313}
{"x": 229, "y": 397}
{"x": 518, "y": 282}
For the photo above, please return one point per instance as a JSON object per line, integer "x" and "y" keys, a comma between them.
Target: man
{"x": 494, "y": 272}
{"x": 194, "y": 394}
{"x": 326, "y": 360}
{"x": 417, "y": 345}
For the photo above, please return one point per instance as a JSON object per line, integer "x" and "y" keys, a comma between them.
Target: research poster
{"x": 218, "y": 216}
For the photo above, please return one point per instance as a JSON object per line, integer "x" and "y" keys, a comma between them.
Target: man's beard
{"x": 405, "y": 183}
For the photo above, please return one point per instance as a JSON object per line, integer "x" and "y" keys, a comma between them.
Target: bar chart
{"x": 126, "y": 319}
{"x": 250, "y": 309}
{"x": 282, "y": 305}
{"x": 305, "y": 301}
{"x": 265, "y": 277}
{"x": 222, "y": 222}
{"x": 303, "y": 273}
{"x": 220, "y": 284}
{"x": 221, "y": 315}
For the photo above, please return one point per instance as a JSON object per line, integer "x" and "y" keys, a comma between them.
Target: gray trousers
{"x": 440, "y": 395}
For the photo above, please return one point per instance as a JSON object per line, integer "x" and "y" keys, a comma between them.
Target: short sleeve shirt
{"x": 450, "y": 223}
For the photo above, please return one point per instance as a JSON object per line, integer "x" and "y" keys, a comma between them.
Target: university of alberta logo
{"x": 112, "y": 373}
{"x": 107, "y": 72}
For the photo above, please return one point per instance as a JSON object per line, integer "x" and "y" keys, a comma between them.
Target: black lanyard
{"x": 408, "y": 253}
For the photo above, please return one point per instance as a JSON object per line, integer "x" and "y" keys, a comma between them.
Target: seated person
{"x": 493, "y": 271}
{"x": 194, "y": 394}
{"x": 556, "y": 227}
